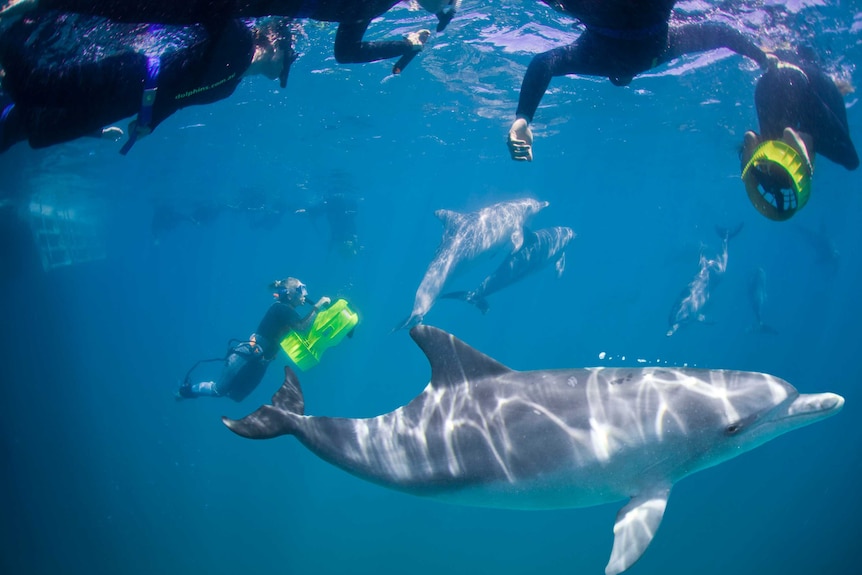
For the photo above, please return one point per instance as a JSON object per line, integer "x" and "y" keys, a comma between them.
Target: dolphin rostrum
{"x": 541, "y": 248}
{"x": 467, "y": 236}
{"x": 483, "y": 434}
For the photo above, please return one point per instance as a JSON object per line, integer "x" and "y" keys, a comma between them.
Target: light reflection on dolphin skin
{"x": 467, "y": 236}
{"x": 483, "y": 434}
{"x": 541, "y": 248}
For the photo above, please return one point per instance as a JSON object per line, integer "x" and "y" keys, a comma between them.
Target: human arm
{"x": 350, "y": 49}
{"x": 703, "y": 36}
{"x": 542, "y": 68}
{"x": 306, "y": 322}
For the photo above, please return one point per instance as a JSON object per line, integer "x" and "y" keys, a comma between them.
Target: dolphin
{"x": 757, "y": 297}
{"x": 695, "y": 295}
{"x": 466, "y": 236}
{"x": 485, "y": 435}
{"x": 542, "y": 248}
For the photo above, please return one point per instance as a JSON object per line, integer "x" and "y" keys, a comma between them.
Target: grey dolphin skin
{"x": 467, "y": 236}
{"x": 483, "y": 434}
{"x": 694, "y": 297}
{"x": 757, "y": 297}
{"x": 541, "y": 248}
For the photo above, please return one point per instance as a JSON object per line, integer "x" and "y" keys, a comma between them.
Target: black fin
{"x": 728, "y": 233}
{"x": 272, "y": 420}
{"x": 453, "y": 361}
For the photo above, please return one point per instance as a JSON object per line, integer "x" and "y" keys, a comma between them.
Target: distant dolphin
{"x": 542, "y": 248}
{"x": 695, "y": 295}
{"x": 483, "y": 434}
{"x": 757, "y": 297}
{"x": 465, "y": 237}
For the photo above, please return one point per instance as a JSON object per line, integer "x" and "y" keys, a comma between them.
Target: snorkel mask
{"x": 289, "y": 290}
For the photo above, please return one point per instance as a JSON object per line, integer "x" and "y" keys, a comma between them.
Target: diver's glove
{"x": 417, "y": 39}
{"x": 521, "y": 141}
{"x": 417, "y": 43}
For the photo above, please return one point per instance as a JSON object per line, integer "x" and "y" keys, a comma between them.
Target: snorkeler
{"x": 801, "y": 113}
{"x": 246, "y": 362}
{"x": 622, "y": 39}
{"x": 62, "y": 88}
{"x": 353, "y": 18}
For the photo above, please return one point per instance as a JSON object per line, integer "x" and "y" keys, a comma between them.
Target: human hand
{"x": 521, "y": 141}
{"x": 418, "y": 39}
{"x": 322, "y": 302}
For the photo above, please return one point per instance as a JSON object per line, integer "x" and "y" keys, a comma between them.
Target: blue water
{"x": 104, "y": 473}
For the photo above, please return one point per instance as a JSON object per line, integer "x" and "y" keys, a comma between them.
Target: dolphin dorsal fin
{"x": 453, "y": 361}
{"x": 449, "y": 217}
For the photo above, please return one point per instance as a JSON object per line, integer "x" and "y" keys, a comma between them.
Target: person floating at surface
{"x": 622, "y": 39}
{"x": 801, "y": 113}
{"x": 246, "y": 363}
{"x": 353, "y": 18}
{"x": 69, "y": 75}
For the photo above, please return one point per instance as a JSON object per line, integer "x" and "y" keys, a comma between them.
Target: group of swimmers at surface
{"x": 157, "y": 56}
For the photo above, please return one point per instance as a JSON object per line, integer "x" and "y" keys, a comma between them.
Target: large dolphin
{"x": 467, "y": 236}
{"x": 483, "y": 434}
{"x": 688, "y": 307}
{"x": 541, "y": 248}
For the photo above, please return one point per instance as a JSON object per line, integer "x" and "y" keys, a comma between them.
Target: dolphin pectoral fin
{"x": 452, "y": 361}
{"x": 636, "y": 525}
{"x": 561, "y": 265}
{"x": 517, "y": 240}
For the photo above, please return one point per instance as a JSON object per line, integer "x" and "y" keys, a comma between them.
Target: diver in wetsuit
{"x": 622, "y": 39}
{"x": 69, "y": 75}
{"x": 801, "y": 113}
{"x": 353, "y": 17}
{"x": 246, "y": 363}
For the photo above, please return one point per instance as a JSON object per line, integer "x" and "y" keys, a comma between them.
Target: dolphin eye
{"x": 733, "y": 428}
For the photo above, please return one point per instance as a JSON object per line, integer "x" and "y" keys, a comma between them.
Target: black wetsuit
{"x": 280, "y": 318}
{"x": 70, "y": 75}
{"x": 624, "y": 38}
{"x": 807, "y": 102}
{"x": 353, "y": 17}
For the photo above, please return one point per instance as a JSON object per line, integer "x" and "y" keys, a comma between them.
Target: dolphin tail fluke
{"x": 469, "y": 297}
{"x": 761, "y": 327}
{"x": 408, "y": 322}
{"x": 728, "y": 233}
{"x": 273, "y": 420}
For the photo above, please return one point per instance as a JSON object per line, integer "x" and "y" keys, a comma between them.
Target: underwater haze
{"x": 104, "y": 472}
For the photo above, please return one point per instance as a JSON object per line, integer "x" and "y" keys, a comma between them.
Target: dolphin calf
{"x": 695, "y": 295}
{"x": 757, "y": 297}
{"x": 465, "y": 237}
{"x": 541, "y": 248}
{"x": 483, "y": 434}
